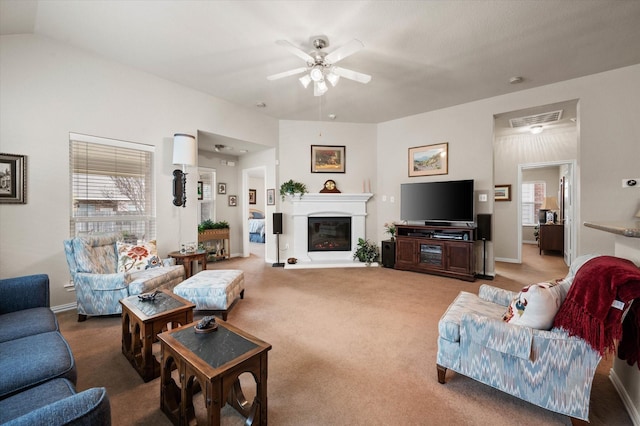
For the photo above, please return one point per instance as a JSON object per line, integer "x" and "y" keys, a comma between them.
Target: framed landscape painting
{"x": 328, "y": 158}
{"x": 502, "y": 193}
{"x": 13, "y": 182}
{"x": 428, "y": 160}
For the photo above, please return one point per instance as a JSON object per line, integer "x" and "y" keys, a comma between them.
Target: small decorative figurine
{"x": 206, "y": 325}
{"x": 148, "y": 297}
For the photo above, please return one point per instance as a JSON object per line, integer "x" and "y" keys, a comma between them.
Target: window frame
{"x": 147, "y": 219}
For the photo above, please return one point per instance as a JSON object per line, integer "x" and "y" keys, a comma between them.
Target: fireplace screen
{"x": 329, "y": 233}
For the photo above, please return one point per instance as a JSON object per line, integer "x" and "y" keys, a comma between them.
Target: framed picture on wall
{"x": 271, "y": 197}
{"x": 428, "y": 160}
{"x": 13, "y": 181}
{"x": 222, "y": 188}
{"x": 502, "y": 193}
{"x": 252, "y": 196}
{"x": 233, "y": 200}
{"x": 328, "y": 158}
{"x": 200, "y": 190}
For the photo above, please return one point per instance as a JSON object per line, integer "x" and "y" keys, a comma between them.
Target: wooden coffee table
{"x": 142, "y": 321}
{"x": 212, "y": 363}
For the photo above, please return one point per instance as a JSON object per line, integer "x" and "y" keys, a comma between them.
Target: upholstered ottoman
{"x": 213, "y": 290}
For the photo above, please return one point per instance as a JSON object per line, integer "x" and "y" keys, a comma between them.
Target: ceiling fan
{"x": 321, "y": 65}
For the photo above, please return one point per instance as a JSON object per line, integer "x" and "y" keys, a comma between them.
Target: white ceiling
{"x": 422, "y": 55}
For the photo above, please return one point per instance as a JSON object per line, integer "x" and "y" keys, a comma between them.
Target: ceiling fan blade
{"x": 342, "y": 52}
{"x": 299, "y": 53}
{"x": 287, "y": 73}
{"x": 352, "y": 75}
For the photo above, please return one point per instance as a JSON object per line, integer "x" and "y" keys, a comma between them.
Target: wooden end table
{"x": 142, "y": 321}
{"x": 186, "y": 259}
{"x": 212, "y": 363}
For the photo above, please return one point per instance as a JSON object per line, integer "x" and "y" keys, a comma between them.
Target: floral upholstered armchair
{"x": 539, "y": 345}
{"x": 105, "y": 270}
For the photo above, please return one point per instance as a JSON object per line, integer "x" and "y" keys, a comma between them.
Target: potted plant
{"x": 367, "y": 251}
{"x": 292, "y": 188}
{"x": 210, "y": 230}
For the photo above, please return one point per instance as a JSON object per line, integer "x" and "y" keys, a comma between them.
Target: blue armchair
{"x": 93, "y": 263}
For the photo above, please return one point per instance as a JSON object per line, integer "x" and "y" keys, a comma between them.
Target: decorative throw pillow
{"x": 535, "y": 306}
{"x": 137, "y": 257}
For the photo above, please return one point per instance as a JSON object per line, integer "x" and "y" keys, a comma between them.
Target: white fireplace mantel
{"x": 321, "y": 205}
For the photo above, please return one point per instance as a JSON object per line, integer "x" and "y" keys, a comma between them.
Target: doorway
{"x": 524, "y": 140}
{"x": 254, "y": 232}
{"x": 563, "y": 192}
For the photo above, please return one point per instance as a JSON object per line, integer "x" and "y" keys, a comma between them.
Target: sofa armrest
{"x": 88, "y": 408}
{"x": 31, "y": 291}
{"x": 102, "y": 282}
{"x": 496, "y": 295}
{"x": 496, "y": 334}
{"x": 524, "y": 342}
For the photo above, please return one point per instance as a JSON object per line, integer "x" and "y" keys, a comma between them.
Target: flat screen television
{"x": 450, "y": 201}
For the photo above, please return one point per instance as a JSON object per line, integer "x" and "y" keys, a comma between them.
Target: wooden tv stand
{"x": 440, "y": 250}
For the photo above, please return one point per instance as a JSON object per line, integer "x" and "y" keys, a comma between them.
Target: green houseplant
{"x": 292, "y": 188}
{"x": 367, "y": 251}
{"x": 209, "y": 224}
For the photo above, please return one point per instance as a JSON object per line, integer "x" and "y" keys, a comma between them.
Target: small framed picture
{"x": 502, "y": 193}
{"x": 13, "y": 181}
{"x": 233, "y": 200}
{"x": 429, "y": 160}
{"x": 200, "y": 190}
{"x": 222, "y": 188}
{"x": 252, "y": 196}
{"x": 271, "y": 197}
{"x": 328, "y": 158}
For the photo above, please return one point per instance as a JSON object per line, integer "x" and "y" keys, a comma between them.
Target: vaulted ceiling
{"x": 422, "y": 55}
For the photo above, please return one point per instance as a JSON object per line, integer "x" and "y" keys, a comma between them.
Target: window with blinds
{"x": 532, "y": 198}
{"x": 111, "y": 187}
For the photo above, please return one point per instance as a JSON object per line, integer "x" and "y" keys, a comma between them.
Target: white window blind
{"x": 532, "y": 198}
{"x": 111, "y": 187}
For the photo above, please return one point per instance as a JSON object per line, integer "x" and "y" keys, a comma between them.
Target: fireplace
{"x": 330, "y": 209}
{"x": 329, "y": 233}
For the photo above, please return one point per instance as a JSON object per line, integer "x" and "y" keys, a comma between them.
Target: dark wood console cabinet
{"x": 551, "y": 237}
{"x": 440, "y": 250}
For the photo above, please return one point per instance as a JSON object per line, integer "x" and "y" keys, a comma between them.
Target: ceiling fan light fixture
{"x": 305, "y": 80}
{"x": 316, "y": 73}
{"x": 319, "y": 88}
{"x": 333, "y": 78}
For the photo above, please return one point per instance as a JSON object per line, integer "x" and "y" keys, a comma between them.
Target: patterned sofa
{"x": 104, "y": 270}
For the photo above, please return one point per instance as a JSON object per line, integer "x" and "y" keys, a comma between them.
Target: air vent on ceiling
{"x": 532, "y": 120}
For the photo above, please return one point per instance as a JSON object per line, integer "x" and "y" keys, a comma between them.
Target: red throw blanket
{"x": 587, "y": 312}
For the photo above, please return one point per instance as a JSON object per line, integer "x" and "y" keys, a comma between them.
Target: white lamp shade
{"x": 184, "y": 149}
{"x": 305, "y": 80}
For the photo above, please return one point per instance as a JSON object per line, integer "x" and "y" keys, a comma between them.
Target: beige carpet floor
{"x": 351, "y": 346}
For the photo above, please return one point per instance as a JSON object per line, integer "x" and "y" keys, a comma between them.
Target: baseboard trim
{"x": 632, "y": 410}
{"x": 63, "y": 308}
{"x": 506, "y": 259}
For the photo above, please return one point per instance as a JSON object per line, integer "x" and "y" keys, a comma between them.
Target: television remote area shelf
{"x": 439, "y": 250}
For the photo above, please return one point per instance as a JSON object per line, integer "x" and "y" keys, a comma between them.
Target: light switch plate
{"x": 482, "y": 198}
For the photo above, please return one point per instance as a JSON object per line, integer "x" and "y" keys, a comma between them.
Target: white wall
{"x": 48, "y": 90}
{"x": 294, "y": 155}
